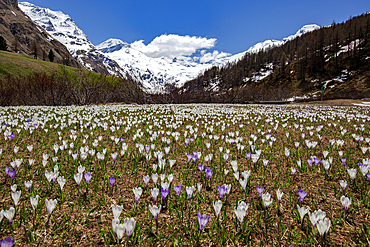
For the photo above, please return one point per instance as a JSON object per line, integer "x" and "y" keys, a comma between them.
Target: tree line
{"x": 63, "y": 89}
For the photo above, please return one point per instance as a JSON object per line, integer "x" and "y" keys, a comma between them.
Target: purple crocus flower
{"x": 343, "y": 160}
{"x": 222, "y": 190}
{"x": 122, "y": 139}
{"x": 202, "y": 220}
{"x": 195, "y": 154}
{"x": 11, "y": 137}
{"x": 310, "y": 161}
{"x": 248, "y": 156}
{"x": 209, "y": 172}
{"x": 201, "y": 168}
{"x": 88, "y": 176}
{"x": 111, "y": 181}
{"x": 194, "y": 157}
{"x": 165, "y": 193}
{"x": 7, "y": 170}
{"x": 316, "y": 160}
{"x": 146, "y": 180}
{"x": 302, "y": 194}
{"x": 226, "y": 157}
{"x": 178, "y": 189}
{"x": 368, "y": 176}
{"x": 189, "y": 157}
{"x": 260, "y": 189}
{"x": 147, "y": 148}
{"x": 8, "y": 242}
{"x": 12, "y": 173}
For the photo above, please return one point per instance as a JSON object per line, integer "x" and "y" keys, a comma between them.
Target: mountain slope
{"x": 28, "y": 81}
{"x": 61, "y": 27}
{"x": 331, "y": 61}
{"x": 23, "y": 35}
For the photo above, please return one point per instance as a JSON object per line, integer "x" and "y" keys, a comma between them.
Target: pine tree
{"x": 3, "y": 45}
{"x": 51, "y": 55}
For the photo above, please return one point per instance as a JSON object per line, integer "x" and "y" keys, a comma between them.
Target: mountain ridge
{"x": 137, "y": 61}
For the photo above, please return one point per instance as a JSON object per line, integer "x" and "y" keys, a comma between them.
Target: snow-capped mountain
{"x": 62, "y": 28}
{"x": 271, "y": 42}
{"x": 155, "y": 72}
{"x": 153, "y": 65}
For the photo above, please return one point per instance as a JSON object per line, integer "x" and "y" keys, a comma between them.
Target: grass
{"x": 23, "y": 66}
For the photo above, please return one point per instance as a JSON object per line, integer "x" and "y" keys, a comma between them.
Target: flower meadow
{"x": 185, "y": 175}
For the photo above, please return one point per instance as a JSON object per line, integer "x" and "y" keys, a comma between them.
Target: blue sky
{"x": 236, "y": 24}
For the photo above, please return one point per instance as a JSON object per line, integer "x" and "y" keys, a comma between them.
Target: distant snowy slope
{"x": 59, "y": 25}
{"x": 155, "y": 72}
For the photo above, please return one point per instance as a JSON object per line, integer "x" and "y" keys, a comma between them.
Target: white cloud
{"x": 206, "y": 57}
{"x": 173, "y": 45}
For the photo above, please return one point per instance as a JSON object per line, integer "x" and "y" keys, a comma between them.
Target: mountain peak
{"x": 271, "y": 43}
{"x": 59, "y": 25}
{"x": 112, "y": 45}
{"x": 306, "y": 29}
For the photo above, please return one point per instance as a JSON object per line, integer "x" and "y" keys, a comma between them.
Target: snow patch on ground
{"x": 362, "y": 104}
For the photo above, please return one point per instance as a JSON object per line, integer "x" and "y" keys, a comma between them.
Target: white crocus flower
{"x": 316, "y": 216}
{"x": 117, "y": 210}
{"x": 323, "y": 226}
{"x": 155, "y": 193}
{"x": 13, "y": 187}
{"x": 80, "y": 169}
{"x": 15, "y": 196}
{"x": 155, "y": 178}
{"x": 137, "y": 192}
{"x": 189, "y": 191}
{"x": 241, "y": 211}
{"x": 302, "y": 211}
{"x": 199, "y": 186}
{"x": 61, "y": 181}
{"x": 346, "y": 202}
{"x": 352, "y": 173}
{"x": 217, "y": 205}
{"x": 266, "y": 199}
{"x": 279, "y": 194}
{"x": 34, "y": 201}
{"x": 50, "y": 205}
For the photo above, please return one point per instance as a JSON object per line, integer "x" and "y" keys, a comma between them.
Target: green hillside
{"x": 28, "y": 81}
{"x": 18, "y": 65}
